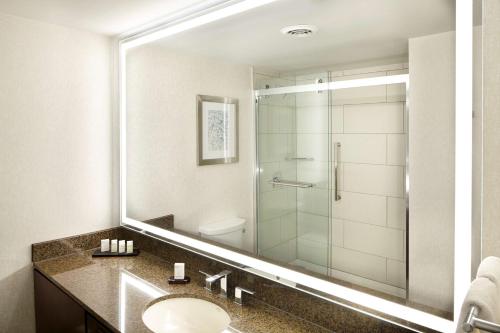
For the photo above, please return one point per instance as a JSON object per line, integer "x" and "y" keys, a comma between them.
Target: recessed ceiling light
{"x": 301, "y": 30}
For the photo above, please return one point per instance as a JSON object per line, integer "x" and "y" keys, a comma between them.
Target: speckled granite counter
{"x": 117, "y": 290}
{"x": 68, "y": 263}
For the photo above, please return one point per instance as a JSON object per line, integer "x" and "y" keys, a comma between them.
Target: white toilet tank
{"x": 229, "y": 231}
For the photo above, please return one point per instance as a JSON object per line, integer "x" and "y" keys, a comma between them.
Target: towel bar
{"x": 292, "y": 183}
{"x": 472, "y": 322}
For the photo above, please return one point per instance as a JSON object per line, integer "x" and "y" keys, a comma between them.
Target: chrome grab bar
{"x": 299, "y": 158}
{"x": 472, "y": 322}
{"x": 292, "y": 183}
{"x": 336, "y": 157}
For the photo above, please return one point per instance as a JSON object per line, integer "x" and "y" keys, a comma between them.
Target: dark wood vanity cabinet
{"x": 56, "y": 312}
{"x": 93, "y": 326}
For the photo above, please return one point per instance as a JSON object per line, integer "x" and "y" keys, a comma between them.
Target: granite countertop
{"x": 117, "y": 290}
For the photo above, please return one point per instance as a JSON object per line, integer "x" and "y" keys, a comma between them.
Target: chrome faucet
{"x": 210, "y": 281}
{"x": 238, "y": 294}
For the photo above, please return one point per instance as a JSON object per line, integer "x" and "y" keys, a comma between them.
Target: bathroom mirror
{"x": 346, "y": 136}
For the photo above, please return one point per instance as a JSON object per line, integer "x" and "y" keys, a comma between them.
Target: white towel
{"x": 484, "y": 294}
{"x": 490, "y": 268}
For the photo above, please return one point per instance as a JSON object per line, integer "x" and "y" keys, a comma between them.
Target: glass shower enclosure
{"x": 331, "y": 176}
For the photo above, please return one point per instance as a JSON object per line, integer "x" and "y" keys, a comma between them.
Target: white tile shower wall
{"x": 363, "y": 148}
{"x": 373, "y": 239}
{"x": 373, "y": 117}
{"x": 373, "y": 208}
{"x": 368, "y": 223}
{"x": 385, "y": 180}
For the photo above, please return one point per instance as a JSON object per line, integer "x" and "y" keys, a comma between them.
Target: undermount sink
{"x": 186, "y": 315}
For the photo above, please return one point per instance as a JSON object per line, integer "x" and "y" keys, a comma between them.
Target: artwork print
{"x": 218, "y": 123}
{"x": 217, "y": 130}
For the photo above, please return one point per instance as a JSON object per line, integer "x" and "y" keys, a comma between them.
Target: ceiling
{"x": 108, "y": 17}
{"x": 349, "y": 31}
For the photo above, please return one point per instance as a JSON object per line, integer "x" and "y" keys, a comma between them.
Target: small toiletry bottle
{"x": 121, "y": 246}
{"x": 179, "y": 271}
{"x": 130, "y": 246}
{"x": 179, "y": 277}
{"x": 104, "y": 245}
{"x": 114, "y": 245}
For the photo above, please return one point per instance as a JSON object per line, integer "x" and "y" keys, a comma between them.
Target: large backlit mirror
{"x": 316, "y": 135}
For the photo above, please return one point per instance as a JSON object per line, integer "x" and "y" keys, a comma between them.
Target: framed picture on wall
{"x": 217, "y": 130}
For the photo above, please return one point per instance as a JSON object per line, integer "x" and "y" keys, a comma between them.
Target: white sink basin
{"x": 186, "y": 315}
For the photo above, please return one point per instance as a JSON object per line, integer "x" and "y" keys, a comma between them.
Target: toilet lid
{"x": 222, "y": 227}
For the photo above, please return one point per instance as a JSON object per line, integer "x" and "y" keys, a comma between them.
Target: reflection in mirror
{"x": 345, "y": 134}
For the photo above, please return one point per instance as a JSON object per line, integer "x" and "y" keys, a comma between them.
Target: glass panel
{"x": 354, "y": 232}
{"x": 293, "y": 150}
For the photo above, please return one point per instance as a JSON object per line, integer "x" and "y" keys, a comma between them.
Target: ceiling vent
{"x": 301, "y": 30}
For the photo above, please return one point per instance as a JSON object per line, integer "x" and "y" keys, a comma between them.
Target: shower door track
{"x": 335, "y": 85}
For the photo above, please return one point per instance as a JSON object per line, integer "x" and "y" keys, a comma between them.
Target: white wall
{"x": 162, "y": 172}
{"x": 431, "y": 154}
{"x": 477, "y": 150}
{"x": 491, "y": 127}
{"x": 55, "y": 149}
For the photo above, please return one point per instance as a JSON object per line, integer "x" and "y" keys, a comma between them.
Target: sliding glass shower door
{"x": 332, "y": 171}
{"x": 294, "y": 143}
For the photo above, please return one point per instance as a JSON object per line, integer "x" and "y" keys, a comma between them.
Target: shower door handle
{"x": 336, "y": 157}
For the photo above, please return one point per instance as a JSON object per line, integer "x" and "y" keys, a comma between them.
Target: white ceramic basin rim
{"x": 185, "y": 315}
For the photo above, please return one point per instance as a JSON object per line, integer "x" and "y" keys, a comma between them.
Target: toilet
{"x": 229, "y": 231}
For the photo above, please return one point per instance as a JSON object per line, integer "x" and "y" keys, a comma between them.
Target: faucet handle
{"x": 224, "y": 273}
{"x": 208, "y": 284}
{"x": 223, "y": 282}
{"x": 210, "y": 281}
{"x": 238, "y": 294}
{"x": 222, "y": 278}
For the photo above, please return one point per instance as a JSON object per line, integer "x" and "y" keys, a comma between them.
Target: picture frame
{"x": 217, "y": 122}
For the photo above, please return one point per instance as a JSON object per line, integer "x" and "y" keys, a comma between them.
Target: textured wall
{"x": 55, "y": 144}
{"x": 477, "y": 150}
{"x": 162, "y": 172}
{"x": 431, "y": 154}
{"x": 491, "y": 128}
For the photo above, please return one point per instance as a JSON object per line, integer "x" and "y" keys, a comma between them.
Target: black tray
{"x": 172, "y": 280}
{"x": 98, "y": 253}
